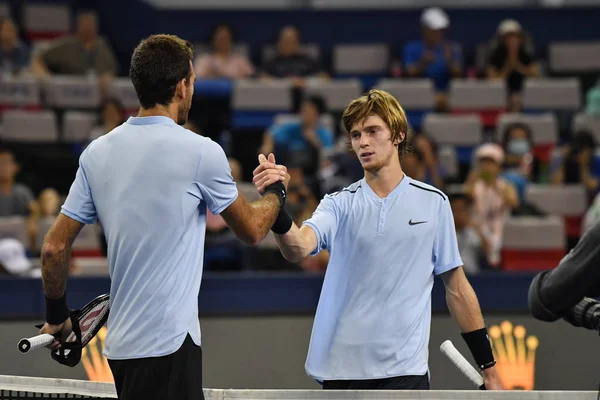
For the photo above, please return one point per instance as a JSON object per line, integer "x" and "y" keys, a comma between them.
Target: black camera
{"x": 586, "y": 314}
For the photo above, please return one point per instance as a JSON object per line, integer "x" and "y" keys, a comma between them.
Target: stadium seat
{"x": 72, "y": 92}
{"x": 486, "y": 98}
{"x": 327, "y": 120}
{"x": 573, "y": 57}
{"x": 337, "y": 93}
{"x": 360, "y": 59}
{"x": 255, "y": 103}
{"x": 46, "y": 21}
{"x": 568, "y": 201}
{"x": 552, "y": 94}
{"x": 77, "y": 126}
{"x": 122, "y": 89}
{"x": 310, "y": 49}
{"x": 14, "y": 228}
{"x": 588, "y": 123}
{"x": 21, "y": 92}
{"x": 413, "y": 94}
{"x": 29, "y": 126}
{"x": 544, "y": 129}
{"x": 462, "y": 131}
{"x": 417, "y": 97}
{"x": 533, "y": 243}
{"x": 448, "y": 160}
{"x": 368, "y": 62}
{"x": 262, "y": 95}
{"x": 457, "y": 130}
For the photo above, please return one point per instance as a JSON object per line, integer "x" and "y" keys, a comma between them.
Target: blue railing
{"x": 257, "y": 293}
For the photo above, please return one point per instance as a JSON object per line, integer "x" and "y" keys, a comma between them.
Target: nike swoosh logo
{"x": 416, "y": 223}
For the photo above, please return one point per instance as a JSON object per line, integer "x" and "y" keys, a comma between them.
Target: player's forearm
{"x": 55, "y": 269}
{"x": 463, "y": 305}
{"x": 263, "y": 214}
{"x": 293, "y": 245}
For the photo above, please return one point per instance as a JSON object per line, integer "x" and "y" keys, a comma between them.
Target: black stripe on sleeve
{"x": 429, "y": 190}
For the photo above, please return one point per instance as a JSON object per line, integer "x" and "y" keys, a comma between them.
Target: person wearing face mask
{"x": 520, "y": 167}
{"x": 494, "y": 197}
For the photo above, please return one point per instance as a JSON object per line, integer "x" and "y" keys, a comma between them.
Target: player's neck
{"x": 159, "y": 111}
{"x": 385, "y": 180}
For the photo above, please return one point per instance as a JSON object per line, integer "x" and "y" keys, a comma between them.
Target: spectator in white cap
{"x": 434, "y": 56}
{"x": 493, "y": 196}
{"x": 13, "y": 259}
{"x": 511, "y": 60}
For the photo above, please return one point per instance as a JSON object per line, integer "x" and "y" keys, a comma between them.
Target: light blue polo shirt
{"x": 374, "y": 313}
{"x": 148, "y": 182}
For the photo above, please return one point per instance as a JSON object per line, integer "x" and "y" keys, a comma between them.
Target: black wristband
{"x": 479, "y": 344}
{"x": 57, "y": 310}
{"x": 283, "y": 223}
{"x": 279, "y": 189}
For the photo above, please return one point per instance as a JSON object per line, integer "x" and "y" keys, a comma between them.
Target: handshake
{"x": 272, "y": 178}
{"x": 268, "y": 173}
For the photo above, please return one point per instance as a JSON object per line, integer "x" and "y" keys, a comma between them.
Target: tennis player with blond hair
{"x": 387, "y": 236}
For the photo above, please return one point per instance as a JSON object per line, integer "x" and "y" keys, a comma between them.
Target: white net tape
{"x": 66, "y": 387}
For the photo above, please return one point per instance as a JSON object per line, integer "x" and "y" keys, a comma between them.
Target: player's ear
{"x": 399, "y": 139}
{"x": 181, "y": 89}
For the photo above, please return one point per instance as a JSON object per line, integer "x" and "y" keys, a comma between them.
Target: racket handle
{"x": 448, "y": 349}
{"x": 36, "y": 342}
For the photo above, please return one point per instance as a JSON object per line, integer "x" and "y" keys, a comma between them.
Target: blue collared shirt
{"x": 149, "y": 182}
{"x": 374, "y": 313}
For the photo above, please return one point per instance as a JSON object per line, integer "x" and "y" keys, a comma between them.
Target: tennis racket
{"x": 86, "y": 324}
{"x": 448, "y": 349}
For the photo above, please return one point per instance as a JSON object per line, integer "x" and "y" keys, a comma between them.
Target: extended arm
{"x": 297, "y": 243}
{"x": 252, "y": 221}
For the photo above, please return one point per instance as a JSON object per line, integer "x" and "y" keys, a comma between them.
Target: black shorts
{"x": 408, "y": 382}
{"x": 177, "y": 376}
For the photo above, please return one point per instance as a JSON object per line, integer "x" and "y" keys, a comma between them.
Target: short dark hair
{"x": 158, "y": 64}
{"x": 318, "y": 102}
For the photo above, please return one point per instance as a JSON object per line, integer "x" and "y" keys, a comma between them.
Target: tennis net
{"x": 23, "y": 387}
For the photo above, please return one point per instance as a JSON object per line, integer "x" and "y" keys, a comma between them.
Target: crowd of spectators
{"x": 312, "y": 146}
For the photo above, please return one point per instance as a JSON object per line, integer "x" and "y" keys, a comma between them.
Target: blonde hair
{"x": 385, "y": 106}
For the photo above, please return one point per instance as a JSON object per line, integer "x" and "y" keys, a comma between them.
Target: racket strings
{"x": 92, "y": 320}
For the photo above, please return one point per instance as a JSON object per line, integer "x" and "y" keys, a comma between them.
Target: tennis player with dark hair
{"x": 149, "y": 182}
{"x": 387, "y": 236}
